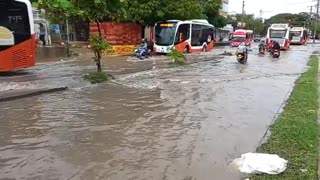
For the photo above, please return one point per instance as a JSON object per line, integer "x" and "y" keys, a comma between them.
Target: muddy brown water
{"x": 178, "y": 123}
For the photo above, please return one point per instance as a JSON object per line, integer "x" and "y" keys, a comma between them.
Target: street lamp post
{"x": 316, "y": 22}
{"x": 242, "y": 14}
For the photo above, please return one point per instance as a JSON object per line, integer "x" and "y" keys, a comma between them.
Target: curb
{"x": 19, "y": 95}
{"x": 318, "y": 55}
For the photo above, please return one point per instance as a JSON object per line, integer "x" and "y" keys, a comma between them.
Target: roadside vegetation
{"x": 295, "y": 134}
{"x": 97, "y": 77}
{"x": 177, "y": 57}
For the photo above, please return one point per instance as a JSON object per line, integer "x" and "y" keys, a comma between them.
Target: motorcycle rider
{"x": 262, "y": 46}
{"x": 143, "y": 47}
{"x": 242, "y": 49}
{"x": 270, "y": 44}
{"x": 276, "y": 46}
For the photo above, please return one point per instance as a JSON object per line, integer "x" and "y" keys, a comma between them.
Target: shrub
{"x": 97, "y": 77}
{"x": 177, "y": 57}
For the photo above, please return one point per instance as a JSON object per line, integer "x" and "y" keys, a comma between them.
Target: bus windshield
{"x": 278, "y": 33}
{"x": 165, "y": 33}
{"x": 295, "y": 33}
{"x": 14, "y": 24}
{"x": 238, "y": 38}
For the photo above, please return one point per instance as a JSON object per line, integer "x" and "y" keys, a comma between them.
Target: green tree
{"x": 97, "y": 11}
{"x": 148, "y": 12}
{"x": 93, "y": 10}
{"x": 294, "y": 19}
{"x": 59, "y": 10}
{"x": 211, "y": 9}
{"x": 251, "y": 22}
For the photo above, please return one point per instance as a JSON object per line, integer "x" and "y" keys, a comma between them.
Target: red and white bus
{"x": 298, "y": 35}
{"x": 280, "y": 33}
{"x": 241, "y": 35}
{"x": 184, "y": 36}
{"x": 17, "y": 36}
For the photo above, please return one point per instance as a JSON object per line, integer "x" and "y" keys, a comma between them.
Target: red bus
{"x": 241, "y": 35}
{"x": 17, "y": 36}
{"x": 184, "y": 36}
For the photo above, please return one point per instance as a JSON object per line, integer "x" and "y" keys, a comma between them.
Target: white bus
{"x": 298, "y": 35}
{"x": 280, "y": 33}
{"x": 184, "y": 36}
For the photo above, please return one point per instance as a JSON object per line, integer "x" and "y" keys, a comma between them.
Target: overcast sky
{"x": 270, "y": 7}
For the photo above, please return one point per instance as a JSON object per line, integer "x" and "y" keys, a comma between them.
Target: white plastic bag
{"x": 257, "y": 163}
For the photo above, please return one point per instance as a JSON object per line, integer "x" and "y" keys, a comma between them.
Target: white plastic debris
{"x": 258, "y": 163}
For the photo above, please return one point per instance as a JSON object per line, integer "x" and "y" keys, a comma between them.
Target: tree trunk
{"x": 99, "y": 28}
{"x": 98, "y": 54}
{"x": 68, "y": 38}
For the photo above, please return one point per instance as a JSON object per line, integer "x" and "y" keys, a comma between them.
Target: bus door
{"x": 181, "y": 41}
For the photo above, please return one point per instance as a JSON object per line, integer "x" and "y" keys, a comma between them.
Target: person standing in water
{"x": 42, "y": 36}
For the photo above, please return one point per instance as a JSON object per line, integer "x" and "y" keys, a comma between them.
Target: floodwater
{"x": 183, "y": 123}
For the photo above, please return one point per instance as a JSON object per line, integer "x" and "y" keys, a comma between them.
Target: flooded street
{"x": 181, "y": 123}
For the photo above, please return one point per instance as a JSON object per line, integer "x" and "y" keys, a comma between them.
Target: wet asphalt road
{"x": 183, "y": 123}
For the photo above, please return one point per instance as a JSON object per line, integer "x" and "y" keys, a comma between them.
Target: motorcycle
{"x": 142, "y": 53}
{"x": 275, "y": 53}
{"x": 262, "y": 50}
{"x": 242, "y": 58}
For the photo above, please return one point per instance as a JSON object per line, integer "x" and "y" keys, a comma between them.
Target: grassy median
{"x": 295, "y": 134}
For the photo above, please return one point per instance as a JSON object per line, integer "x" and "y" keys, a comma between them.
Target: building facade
{"x": 224, "y": 9}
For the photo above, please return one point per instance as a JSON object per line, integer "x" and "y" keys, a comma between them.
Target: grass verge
{"x": 97, "y": 77}
{"x": 295, "y": 134}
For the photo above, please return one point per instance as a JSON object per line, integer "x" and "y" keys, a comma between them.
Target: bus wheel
{"x": 186, "y": 50}
{"x": 204, "y": 49}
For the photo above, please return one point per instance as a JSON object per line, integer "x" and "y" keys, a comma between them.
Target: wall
{"x": 123, "y": 37}
{"x": 119, "y": 33}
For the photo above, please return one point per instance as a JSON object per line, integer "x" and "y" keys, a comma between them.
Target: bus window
{"x": 278, "y": 33}
{"x": 164, "y": 33}
{"x": 196, "y": 33}
{"x": 183, "y": 33}
{"x": 206, "y": 32}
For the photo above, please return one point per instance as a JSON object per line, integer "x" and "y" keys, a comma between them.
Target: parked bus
{"x": 280, "y": 33}
{"x": 241, "y": 35}
{"x": 17, "y": 36}
{"x": 184, "y": 36}
{"x": 298, "y": 35}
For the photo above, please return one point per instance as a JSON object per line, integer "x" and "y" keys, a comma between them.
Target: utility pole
{"x": 242, "y": 13}
{"x": 310, "y": 19}
{"x": 316, "y": 22}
